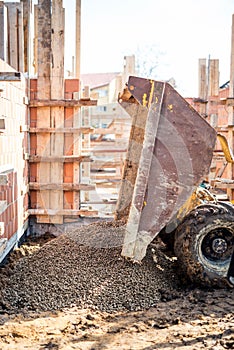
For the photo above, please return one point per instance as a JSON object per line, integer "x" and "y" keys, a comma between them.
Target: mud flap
{"x": 176, "y": 155}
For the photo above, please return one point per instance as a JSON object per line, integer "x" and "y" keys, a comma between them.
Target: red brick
{"x": 67, "y": 172}
{"x": 68, "y": 117}
{"x": 68, "y": 200}
{"x": 33, "y": 89}
{"x": 33, "y": 117}
{"x": 72, "y": 85}
{"x": 68, "y": 144}
{"x": 33, "y": 144}
{"x": 33, "y": 198}
{"x": 33, "y": 172}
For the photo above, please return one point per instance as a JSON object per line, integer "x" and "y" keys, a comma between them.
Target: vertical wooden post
{"x": 202, "y": 84}
{"x": 27, "y": 9}
{"x": 57, "y": 113}
{"x": 3, "y": 33}
{"x": 16, "y": 38}
{"x": 43, "y": 92}
{"x": 35, "y": 46}
{"x": 77, "y": 112}
{"x": 86, "y": 122}
{"x": 78, "y": 27}
{"x": 213, "y": 88}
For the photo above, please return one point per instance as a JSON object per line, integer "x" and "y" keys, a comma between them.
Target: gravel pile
{"x": 85, "y": 268}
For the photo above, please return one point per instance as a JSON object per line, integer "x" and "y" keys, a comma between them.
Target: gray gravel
{"x": 85, "y": 268}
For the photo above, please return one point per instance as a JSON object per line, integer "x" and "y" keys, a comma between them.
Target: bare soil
{"x": 77, "y": 292}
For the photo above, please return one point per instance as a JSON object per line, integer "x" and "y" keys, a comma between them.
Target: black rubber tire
{"x": 204, "y": 244}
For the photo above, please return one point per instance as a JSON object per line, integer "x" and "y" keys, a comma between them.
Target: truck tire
{"x": 204, "y": 244}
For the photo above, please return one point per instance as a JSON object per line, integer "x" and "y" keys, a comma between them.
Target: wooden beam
{"x": 213, "y": 77}
{"x": 15, "y": 35}
{"x": 62, "y": 103}
{"x": 43, "y": 30}
{"x": 103, "y": 131}
{"x": 57, "y": 113}
{"x": 78, "y": 26}
{"x": 58, "y": 186}
{"x": 68, "y": 212}
{"x": 98, "y": 164}
{"x": 3, "y": 33}
{"x": 202, "y": 93}
{"x": 57, "y": 50}
{"x": 99, "y": 202}
{"x": 81, "y": 130}
{"x": 114, "y": 150}
{"x": 62, "y": 159}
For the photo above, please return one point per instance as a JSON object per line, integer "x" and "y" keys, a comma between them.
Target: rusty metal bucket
{"x": 171, "y": 160}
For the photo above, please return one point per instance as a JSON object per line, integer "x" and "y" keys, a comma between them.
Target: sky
{"x": 176, "y": 33}
{"x": 173, "y": 33}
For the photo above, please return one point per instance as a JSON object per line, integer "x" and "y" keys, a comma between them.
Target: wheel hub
{"x": 219, "y": 245}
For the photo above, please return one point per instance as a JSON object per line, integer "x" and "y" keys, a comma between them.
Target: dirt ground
{"x": 182, "y": 317}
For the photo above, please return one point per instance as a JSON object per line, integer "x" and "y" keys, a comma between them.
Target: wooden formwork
{"x": 55, "y": 125}
{"x": 55, "y": 157}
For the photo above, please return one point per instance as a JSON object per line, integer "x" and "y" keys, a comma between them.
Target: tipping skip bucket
{"x": 175, "y": 154}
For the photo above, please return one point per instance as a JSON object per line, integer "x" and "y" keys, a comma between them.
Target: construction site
{"x": 116, "y": 207}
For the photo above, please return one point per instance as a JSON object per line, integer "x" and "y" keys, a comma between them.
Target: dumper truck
{"x": 165, "y": 187}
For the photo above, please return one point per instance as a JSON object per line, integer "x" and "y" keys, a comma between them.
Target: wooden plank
{"x": 13, "y": 34}
{"x": 61, "y": 103}
{"x": 64, "y": 186}
{"x": 43, "y": 93}
{"x": 100, "y": 202}
{"x": 57, "y": 113}
{"x": 43, "y": 151}
{"x": 43, "y": 49}
{"x": 110, "y": 150}
{"x": 20, "y": 37}
{"x": 62, "y": 159}
{"x": 77, "y": 144}
{"x": 98, "y": 164}
{"x": 56, "y": 169}
{"x": 3, "y": 33}
{"x": 78, "y": 26}
{"x": 57, "y": 50}
{"x": 27, "y": 4}
{"x": 68, "y": 212}
{"x": 35, "y": 46}
{"x": 81, "y": 130}
{"x": 213, "y": 77}
{"x": 86, "y": 142}
{"x": 202, "y": 93}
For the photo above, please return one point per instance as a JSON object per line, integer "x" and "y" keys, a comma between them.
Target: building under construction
{"x": 45, "y": 126}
